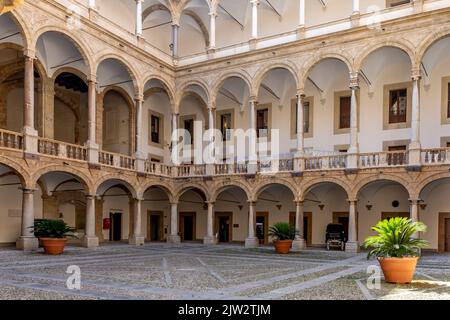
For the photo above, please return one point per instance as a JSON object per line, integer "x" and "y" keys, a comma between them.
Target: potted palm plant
{"x": 53, "y": 235}
{"x": 396, "y": 249}
{"x": 283, "y": 235}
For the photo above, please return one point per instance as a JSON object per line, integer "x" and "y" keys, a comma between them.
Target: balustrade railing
{"x": 230, "y": 168}
{"x": 194, "y": 170}
{"x": 116, "y": 160}
{"x": 435, "y": 156}
{"x": 158, "y": 168}
{"x": 62, "y": 149}
{"x": 10, "y": 139}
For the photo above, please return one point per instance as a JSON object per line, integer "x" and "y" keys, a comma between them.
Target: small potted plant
{"x": 396, "y": 249}
{"x": 53, "y": 235}
{"x": 283, "y": 235}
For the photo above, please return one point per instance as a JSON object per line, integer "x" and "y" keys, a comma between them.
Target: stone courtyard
{"x": 194, "y": 272}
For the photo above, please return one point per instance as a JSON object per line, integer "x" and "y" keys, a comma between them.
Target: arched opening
{"x": 115, "y": 96}
{"x": 70, "y": 109}
{"x": 326, "y": 203}
{"x": 231, "y": 215}
{"x": 436, "y": 82}
{"x": 379, "y": 200}
{"x": 192, "y": 215}
{"x": 385, "y": 78}
{"x": 193, "y": 119}
{"x": 156, "y": 121}
{"x": 328, "y": 98}
{"x": 116, "y": 207}
{"x": 11, "y": 184}
{"x": 276, "y": 102}
{"x": 156, "y": 211}
{"x": 231, "y": 98}
{"x": 274, "y": 203}
{"x": 434, "y": 211}
{"x": 64, "y": 198}
{"x": 12, "y": 89}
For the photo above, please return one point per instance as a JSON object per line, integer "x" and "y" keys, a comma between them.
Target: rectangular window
{"x": 225, "y": 126}
{"x": 394, "y": 3}
{"x": 397, "y": 106}
{"x": 344, "y": 112}
{"x": 189, "y": 127}
{"x": 155, "y": 129}
{"x": 448, "y": 144}
{"x": 155, "y": 160}
{"x": 262, "y": 123}
{"x": 305, "y": 117}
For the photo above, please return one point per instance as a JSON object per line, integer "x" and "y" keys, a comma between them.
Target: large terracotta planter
{"x": 398, "y": 270}
{"x": 53, "y": 246}
{"x": 283, "y": 246}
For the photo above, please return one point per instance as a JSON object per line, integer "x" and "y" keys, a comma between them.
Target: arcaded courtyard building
{"x": 90, "y": 92}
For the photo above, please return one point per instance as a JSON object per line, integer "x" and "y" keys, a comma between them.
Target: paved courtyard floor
{"x": 192, "y": 271}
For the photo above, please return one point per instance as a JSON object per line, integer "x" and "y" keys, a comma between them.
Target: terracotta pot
{"x": 53, "y": 246}
{"x": 283, "y": 246}
{"x": 398, "y": 270}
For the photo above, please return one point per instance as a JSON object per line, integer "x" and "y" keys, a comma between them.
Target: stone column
{"x": 253, "y": 155}
{"x": 354, "y": 145}
{"x": 210, "y": 165}
{"x": 415, "y": 146}
{"x": 140, "y": 156}
{"x": 139, "y": 17}
{"x": 352, "y": 243}
{"x": 27, "y": 241}
{"x": 91, "y": 4}
{"x": 29, "y": 131}
{"x": 175, "y": 31}
{"x": 302, "y": 19}
{"x": 210, "y": 238}
{"x": 48, "y": 108}
{"x": 137, "y": 238}
{"x": 91, "y": 144}
{"x": 174, "y": 140}
{"x": 212, "y": 31}
{"x": 355, "y": 16}
{"x": 174, "y": 237}
{"x": 355, "y": 6}
{"x": 251, "y": 241}
{"x": 300, "y": 126}
{"x": 414, "y": 213}
{"x": 255, "y": 4}
{"x": 90, "y": 240}
{"x": 299, "y": 242}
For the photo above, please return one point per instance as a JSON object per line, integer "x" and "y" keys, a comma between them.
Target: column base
{"x": 136, "y": 240}
{"x": 173, "y": 239}
{"x": 89, "y": 242}
{"x": 252, "y": 167}
{"x": 298, "y": 245}
{"x": 92, "y": 152}
{"x": 352, "y": 247}
{"x": 27, "y": 243}
{"x": 251, "y": 243}
{"x": 30, "y": 140}
{"x": 414, "y": 154}
{"x": 209, "y": 241}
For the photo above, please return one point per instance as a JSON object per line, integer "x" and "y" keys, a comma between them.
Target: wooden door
{"x": 447, "y": 235}
{"x": 187, "y": 227}
{"x": 262, "y": 227}
{"x": 223, "y": 226}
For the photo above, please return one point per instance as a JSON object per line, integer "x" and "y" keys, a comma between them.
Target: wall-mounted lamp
{"x": 240, "y": 207}
{"x": 423, "y": 206}
{"x": 369, "y": 206}
{"x": 279, "y": 206}
{"x": 321, "y": 206}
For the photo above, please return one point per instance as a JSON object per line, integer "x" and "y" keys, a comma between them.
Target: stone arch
{"x": 165, "y": 83}
{"x": 261, "y": 74}
{"x": 427, "y": 43}
{"x": 200, "y": 24}
{"x": 379, "y": 177}
{"x": 403, "y": 46}
{"x": 309, "y": 185}
{"x": 221, "y": 80}
{"x": 122, "y": 92}
{"x": 189, "y": 186}
{"x": 183, "y": 89}
{"x": 72, "y": 70}
{"x": 230, "y": 184}
{"x": 76, "y": 40}
{"x": 127, "y": 182}
{"x": 18, "y": 169}
{"x": 161, "y": 185}
{"x": 19, "y": 20}
{"x": 84, "y": 179}
{"x": 422, "y": 184}
{"x": 259, "y": 188}
{"x": 132, "y": 72}
{"x": 315, "y": 60}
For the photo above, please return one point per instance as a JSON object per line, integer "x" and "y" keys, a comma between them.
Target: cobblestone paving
{"x": 193, "y": 271}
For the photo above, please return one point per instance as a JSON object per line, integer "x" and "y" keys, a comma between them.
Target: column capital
{"x": 352, "y": 201}
{"x": 29, "y": 54}
{"x": 301, "y": 93}
{"x": 138, "y": 199}
{"x": 210, "y": 202}
{"x": 253, "y": 99}
{"x": 90, "y": 196}
{"x": 251, "y": 203}
{"x": 415, "y": 201}
{"x": 213, "y": 13}
{"x": 139, "y": 97}
{"x": 173, "y": 203}
{"x": 92, "y": 78}
{"x": 354, "y": 81}
{"x": 255, "y": 2}
{"x": 139, "y": 1}
{"x": 28, "y": 190}
{"x": 299, "y": 202}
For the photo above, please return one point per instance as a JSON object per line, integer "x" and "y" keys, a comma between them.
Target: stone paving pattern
{"x": 196, "y": 272}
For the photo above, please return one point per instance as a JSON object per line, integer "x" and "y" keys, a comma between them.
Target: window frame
{"x": 151, "y": 114}
{"x": 386, "y": 105}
